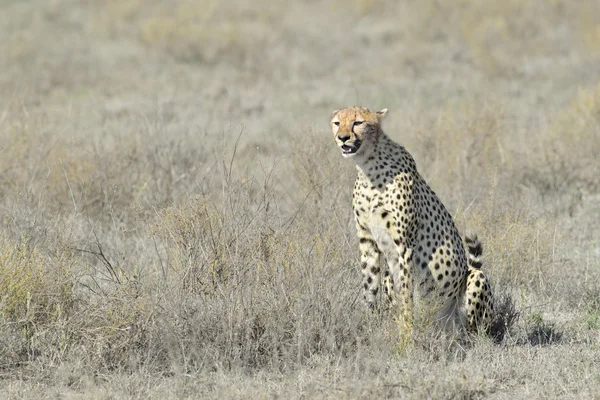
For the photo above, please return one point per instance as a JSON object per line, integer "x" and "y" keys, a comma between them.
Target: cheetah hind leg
{"x": 479, "y": 305}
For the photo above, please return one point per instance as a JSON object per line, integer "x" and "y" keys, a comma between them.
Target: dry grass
{"x": 176, "y": 219}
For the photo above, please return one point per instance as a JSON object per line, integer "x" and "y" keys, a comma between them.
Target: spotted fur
{"x": 399, "y": 219}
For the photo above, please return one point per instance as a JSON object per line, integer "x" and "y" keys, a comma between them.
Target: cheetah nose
{"x": 344, "y": 138}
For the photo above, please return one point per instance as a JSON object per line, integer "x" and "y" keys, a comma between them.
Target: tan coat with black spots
{"x": 400, "y": 219}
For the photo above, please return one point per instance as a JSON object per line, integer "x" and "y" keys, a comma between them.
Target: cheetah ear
{"x": 334, "y": 112}
{"x": 381, "y": 114}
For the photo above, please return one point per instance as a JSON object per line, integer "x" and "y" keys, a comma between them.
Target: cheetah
{"x": 401, "y": 220}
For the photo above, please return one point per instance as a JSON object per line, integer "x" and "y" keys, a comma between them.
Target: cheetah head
{"x": 356, "y": 129}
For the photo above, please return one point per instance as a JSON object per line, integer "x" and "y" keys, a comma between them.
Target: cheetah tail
{"x": 475, "y": 249}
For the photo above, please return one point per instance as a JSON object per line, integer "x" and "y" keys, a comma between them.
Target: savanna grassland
{"x": 176, "y": 220}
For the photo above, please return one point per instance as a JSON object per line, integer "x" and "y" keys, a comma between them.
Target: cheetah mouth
{"x": 349, "y": 150}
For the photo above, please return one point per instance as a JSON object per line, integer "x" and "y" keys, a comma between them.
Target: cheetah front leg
{"x": 401, "y": 269}
{"x": 369, "y": 258}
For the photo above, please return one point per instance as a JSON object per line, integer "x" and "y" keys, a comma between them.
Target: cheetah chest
{"x": 382, "y": 237}
{"x": 378, "y": 220}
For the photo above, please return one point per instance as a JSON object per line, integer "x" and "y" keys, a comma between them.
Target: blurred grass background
{"x": 176, "y": 219}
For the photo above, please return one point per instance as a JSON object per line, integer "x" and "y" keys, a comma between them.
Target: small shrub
{"x": 505, "y": 314}
{"x": 36, "y": 289}
{"x": 543, "y": 334}
{"x": 36, "y": 295}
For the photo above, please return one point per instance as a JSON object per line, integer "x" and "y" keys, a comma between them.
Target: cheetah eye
{"x": 337, "y": 123}
{"x": 357, "y": 123}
